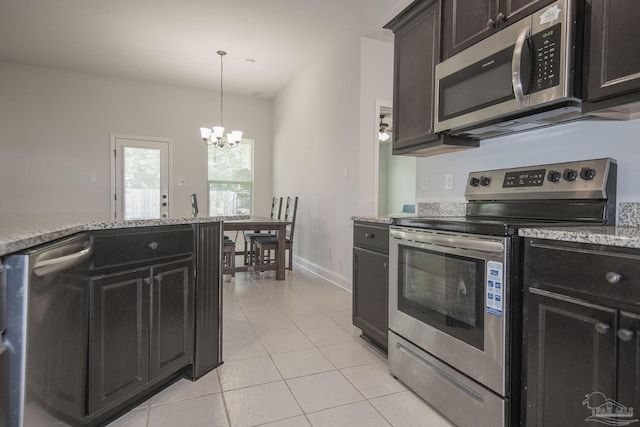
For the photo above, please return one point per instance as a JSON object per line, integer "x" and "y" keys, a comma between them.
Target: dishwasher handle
{"x": 42, "y": 268}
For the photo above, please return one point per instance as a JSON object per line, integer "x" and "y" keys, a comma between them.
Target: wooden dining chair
{"x": 249, "y": 238}
{"x": 265, "y": 244}
{"x": 229, "y": 254}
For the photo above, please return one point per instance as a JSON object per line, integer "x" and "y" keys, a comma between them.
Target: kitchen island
{"x": 102, "y": 314}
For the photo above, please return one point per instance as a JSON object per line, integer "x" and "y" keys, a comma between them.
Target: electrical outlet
{"x": 448, "y": 181}
{"x": 92, "y": 178}
{"x": 345, "y": 173}
{"x": 424, "y": 183}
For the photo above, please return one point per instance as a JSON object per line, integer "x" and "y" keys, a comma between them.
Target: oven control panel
{"x": 586, "y": 179}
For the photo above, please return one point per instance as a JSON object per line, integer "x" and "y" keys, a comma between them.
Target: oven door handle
{"x": 450, "y": 241}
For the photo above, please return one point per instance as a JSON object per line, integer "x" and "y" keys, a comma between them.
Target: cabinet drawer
{"x": 589, "y": 269}
{"x": 372, "y": 237}
{"x": 121, "y": 247}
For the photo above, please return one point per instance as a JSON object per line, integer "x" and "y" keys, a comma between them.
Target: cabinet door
{"x": 629, "y": 360}
{"x": 416, "y": 55}
{"x": 614, "y": 64}
{"x": 570, "y": 354}
{"x": 466, "y": 22}
{"x": 119, "y": 337}
{"x": 370, "y": 294}
{"x": 171, "y": 318}
{"x": 514, "y": 10}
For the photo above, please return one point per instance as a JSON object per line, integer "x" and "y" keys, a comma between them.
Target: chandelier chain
{"x": 221, "y": 90}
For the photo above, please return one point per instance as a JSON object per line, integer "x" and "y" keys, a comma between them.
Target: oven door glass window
{"x": 443, "y": 290}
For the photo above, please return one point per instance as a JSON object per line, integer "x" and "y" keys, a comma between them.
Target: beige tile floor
{"x": 292, "y": 358}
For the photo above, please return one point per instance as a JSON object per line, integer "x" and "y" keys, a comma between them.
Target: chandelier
{"x": 215, "y": 135}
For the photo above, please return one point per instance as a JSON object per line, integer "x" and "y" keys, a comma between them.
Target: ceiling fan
{"x": 384, "y": 132}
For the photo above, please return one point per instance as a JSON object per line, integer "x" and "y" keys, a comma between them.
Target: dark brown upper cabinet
{"x": 613, "y": 84}
{"x": 416, "y": 53}
{"x": 466, "y": 22}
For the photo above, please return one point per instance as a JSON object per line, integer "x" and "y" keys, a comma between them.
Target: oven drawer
{"x": 372, "y": 237}
{"x": 603, "y": 272}
{"x": 116, "y": 248}
{"x": 457, "y": 397}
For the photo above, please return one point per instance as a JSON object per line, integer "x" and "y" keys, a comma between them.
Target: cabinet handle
{"x": 491, "y": 23}
{"x": 386, "y": 265}
{"x": 368, "y": 236}
{"x": 501, "y": 17}
{"x": 613, "y": 277}
{"x": 625, "y": 335}
{"x": 148, "y": 280}
{"x": 602, "y": 328}
{"x": 158, "y": 278}
{"x": 153, "y": 245}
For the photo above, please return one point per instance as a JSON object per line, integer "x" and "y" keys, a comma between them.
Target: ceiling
{"x": 175, "y": 41}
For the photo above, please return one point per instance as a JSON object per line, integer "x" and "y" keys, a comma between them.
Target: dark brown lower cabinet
{"x": 119, "y": 337}
{"x": 571, "y": 354}
{"x": 370, "y": 295}
{"x": 141, "y": 329}
{"x": 171, "y": 318}
{"x": 371, "y": 281}
{"x": 582, "y": 324}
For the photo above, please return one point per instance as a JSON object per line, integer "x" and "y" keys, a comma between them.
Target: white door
{"x": 140, "y": 184}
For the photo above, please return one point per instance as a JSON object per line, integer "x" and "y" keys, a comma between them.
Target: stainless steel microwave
{"x": 520, "y": 78}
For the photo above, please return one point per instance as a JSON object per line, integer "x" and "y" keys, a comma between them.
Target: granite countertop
{"x": 626, "y": 237}
{"x": 424, "y": 209}
{"x": 373, "y": 219}
{"x": 22, "y": 231}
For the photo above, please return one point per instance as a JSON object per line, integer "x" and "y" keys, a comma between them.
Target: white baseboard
{"x": 337, "y": 279}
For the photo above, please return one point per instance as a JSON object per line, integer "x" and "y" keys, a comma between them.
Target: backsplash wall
{"x": 582, "y": 140}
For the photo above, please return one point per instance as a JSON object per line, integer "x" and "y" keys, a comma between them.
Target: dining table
{"x": 260, "y": 224}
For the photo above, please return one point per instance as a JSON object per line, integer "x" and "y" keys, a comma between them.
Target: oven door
{"x": 446, "y": 295}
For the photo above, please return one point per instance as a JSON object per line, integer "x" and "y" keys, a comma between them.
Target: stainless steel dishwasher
{"x": 47, "y": 295}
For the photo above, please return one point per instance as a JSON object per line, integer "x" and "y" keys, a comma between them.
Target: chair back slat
{"x": 276, "y": 208}
{"x": 290, "y": 215}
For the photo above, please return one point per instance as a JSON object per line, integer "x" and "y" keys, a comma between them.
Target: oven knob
{"x": 587, "y": 173}
{"x": 485, "y": 180}
{"x": 554, "y": 176}
{"x": 570, "y": 174}
{"x": 474, "y": 182}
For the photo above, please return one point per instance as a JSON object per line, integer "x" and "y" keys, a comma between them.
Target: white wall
{"x": 55, "y": 131}
{"x": 376, "y": 86}
{"x": 316, "y": 137}
{"x": 576, "y": 141}
{"x": 396, "y": 180}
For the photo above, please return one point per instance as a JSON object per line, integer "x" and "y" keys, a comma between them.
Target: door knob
{"x": 613, "y": 277}
{"x": 625, "y": 335}
{"x": 602, "y": 328}
{"x": 153, "y": 246}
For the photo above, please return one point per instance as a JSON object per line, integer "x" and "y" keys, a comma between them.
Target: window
{"x": 231, "y": 179}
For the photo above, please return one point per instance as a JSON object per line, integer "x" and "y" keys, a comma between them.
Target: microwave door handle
{"x": 516, "y": 71}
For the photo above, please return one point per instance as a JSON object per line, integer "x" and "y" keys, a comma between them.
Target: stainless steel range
{"x": 455, "y": 289}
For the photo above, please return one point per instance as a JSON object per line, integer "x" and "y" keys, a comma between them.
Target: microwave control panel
{"x": 545, "y": 47}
